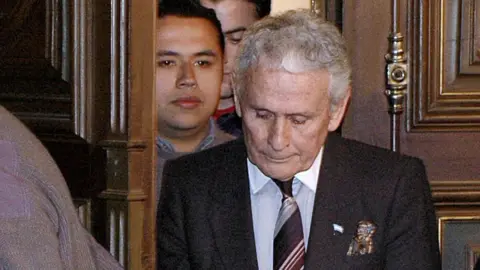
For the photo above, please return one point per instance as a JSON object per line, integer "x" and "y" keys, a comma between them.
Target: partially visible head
{"x": 189, "y": 57}
{"x": 292, "y": 85}
{"x": 262, "y": 7}
{"x": 235, "y": 16}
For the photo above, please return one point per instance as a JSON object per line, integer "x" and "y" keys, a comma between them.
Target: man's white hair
{"x": 296, "y": 41}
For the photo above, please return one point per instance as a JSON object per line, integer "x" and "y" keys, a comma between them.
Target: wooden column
{"x": 129, "y": 195}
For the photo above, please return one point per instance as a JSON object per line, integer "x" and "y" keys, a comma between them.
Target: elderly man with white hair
{"x": 292, "y": 194}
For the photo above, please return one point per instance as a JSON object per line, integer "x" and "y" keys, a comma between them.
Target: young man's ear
{"x": 336, "y": 116}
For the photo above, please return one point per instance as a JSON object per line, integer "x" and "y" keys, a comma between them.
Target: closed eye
{"x": 234, "y": 40}
{"x": 265, "y": 115}
{"x": 298, "y": 120}
{"x": 234, "y": 36}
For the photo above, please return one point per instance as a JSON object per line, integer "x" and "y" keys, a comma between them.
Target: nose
{"x": 279, "y": 135}
{"x": 186, "y": 77}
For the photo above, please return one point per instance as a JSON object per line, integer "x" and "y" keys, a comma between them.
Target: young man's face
{"x": 235, "y": 16}
{"x": 188, "y": 74}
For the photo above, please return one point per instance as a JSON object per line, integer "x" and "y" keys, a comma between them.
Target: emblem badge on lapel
{"x": 362, "y": 242}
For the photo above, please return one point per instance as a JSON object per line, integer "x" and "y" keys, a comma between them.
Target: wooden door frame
{"x": 140, "y": 145}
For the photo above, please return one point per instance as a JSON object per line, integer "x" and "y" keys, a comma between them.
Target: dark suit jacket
{"x": 204, "y": 219}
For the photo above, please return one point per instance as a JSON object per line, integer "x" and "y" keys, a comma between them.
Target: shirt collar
{"x": 168, "y": 147}
{"x": 309, "y": 177}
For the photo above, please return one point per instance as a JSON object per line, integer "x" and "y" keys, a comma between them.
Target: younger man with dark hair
{"x": 189, "y": 56}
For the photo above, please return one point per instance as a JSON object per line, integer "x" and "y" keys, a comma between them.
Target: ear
{"x": 336, "y": 116}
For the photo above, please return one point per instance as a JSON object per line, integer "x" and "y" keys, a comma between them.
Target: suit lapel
{"x": 333, "y": 194}
{"x": 231, "y": 215}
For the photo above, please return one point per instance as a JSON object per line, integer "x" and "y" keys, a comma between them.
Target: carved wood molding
{"x": 119, "y": 83}
{"x": 444, "y": 89}
{"x": 81, "y": 65}
{"x": 128, "y": 141}
{"x": 451, "y": 193}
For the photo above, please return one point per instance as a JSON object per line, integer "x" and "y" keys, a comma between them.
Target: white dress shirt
{"x": 266, "y": 199}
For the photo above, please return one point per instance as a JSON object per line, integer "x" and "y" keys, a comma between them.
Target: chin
{"x": 277, "y": 171}
{"x": 184, "y": 125}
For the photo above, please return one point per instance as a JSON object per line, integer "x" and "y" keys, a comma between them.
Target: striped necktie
{"x": 288, "y": 245}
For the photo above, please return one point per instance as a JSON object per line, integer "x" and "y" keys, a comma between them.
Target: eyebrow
{"x": 173, "y": 53}
{"x": 206, "y": 53}
{"x": 235, "y": 30}
{"x": 300, "y": 114}
{"x": 167, "y": 53}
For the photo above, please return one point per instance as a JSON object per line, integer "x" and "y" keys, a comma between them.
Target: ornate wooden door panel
{"x": 441, "y": 123}
{"x": 445, "y": 85}
{"x": 36, "y": 84}
{"x": 443, "y": 120}
{"x": 80, "y": 74}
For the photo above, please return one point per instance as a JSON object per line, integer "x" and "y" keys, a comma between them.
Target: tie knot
{"x": 285, "y": 186}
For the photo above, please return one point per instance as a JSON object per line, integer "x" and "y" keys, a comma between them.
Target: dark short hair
{"x": 263, "y": 7}
{"x": 189, "y": 9}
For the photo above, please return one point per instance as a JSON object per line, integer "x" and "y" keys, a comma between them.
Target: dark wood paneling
{"x": 32, "y": 76}
{"x": 80, "y": 74}
{"x": 23, "y": 30}
{"x": 36, "y": 85}
{"x": 445, "y": 72}
{"x": 441, "y": 97}
{"x": 451, "y": 155}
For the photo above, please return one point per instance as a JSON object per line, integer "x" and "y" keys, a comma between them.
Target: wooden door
{"x": 36, "y": 85}
{"x": 441, "y": 121}
{"x": 80, "y": 74}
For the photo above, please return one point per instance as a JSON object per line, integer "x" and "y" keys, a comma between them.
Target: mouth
{"x": 277, "y": 159}
{"x": 190, "y": 102}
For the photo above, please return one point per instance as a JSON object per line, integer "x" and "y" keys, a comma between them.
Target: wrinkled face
{"x": 235, "y": 16}
{"x": 286, "y": 117}
{"x": 188, "y": 72}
